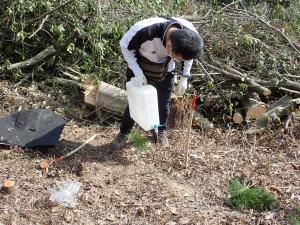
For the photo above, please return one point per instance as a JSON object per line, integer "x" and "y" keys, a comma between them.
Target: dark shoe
{"x": 160, "y": 138}
{"x": 119, "y": 141}
{"x": 163, "y": 139}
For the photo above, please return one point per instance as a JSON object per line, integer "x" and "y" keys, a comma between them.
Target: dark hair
{"x": 186, "y": 43}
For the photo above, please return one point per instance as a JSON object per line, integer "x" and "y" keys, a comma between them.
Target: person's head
{"x": 184, "y": 44}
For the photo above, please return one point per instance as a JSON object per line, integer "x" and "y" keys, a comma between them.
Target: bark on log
{"x": 257, "y": 87}
{"x": 30, "y": 62}
{"x": 105, "y": 97}
{"x": 201, "y": 122}
{"x": 110, "y": 99}
{"x": 279, "y": 109}
{"x": 286, "y": 83}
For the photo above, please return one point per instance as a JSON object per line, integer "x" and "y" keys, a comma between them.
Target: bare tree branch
{"x": 30, "y": 62}
{"x": 50, "y": 11}
{"x": 294, "y": 45}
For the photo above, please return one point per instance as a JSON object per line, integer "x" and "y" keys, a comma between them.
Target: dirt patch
{"x": 151, "y": 187}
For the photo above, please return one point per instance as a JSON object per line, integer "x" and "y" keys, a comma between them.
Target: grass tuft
{"x": 138, "y": 140}
{"x": 243, "y": 197}
{"x": 294, "y": 219}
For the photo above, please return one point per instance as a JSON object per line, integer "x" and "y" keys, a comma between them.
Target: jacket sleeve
{"x": 130, "y": 37}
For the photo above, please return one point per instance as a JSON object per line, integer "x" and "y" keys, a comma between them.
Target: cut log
{"x": 43, "y": 165}
{"x": 90, "y": 93}
{"x": 9, "y": 186}
{"x": 258, "y": 88}
{"x": 106, "y": 98}
{"x": 272, "y": 117}
{"x": 200, "y": 121}
{"x": 238, "y": 117}
{"x": 254, "y": 108}
{"x": 281, "y": 102}
{"x": 110, "y": 98}
{"x": 276, "y": 111}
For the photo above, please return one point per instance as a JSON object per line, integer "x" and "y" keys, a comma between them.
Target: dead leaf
{"x": 174, "y": 211}
{"x": 67, "y": 216}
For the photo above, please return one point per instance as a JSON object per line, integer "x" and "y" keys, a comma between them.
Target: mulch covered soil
{"x": 146, "y": 187}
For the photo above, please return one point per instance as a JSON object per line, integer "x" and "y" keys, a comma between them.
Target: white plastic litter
{"x": 65, "y": 196}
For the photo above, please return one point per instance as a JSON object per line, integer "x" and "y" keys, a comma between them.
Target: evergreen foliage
{"x": 294, "y": 219}
{"x": 138, "y": 140}
{"x": 243, "y": 197}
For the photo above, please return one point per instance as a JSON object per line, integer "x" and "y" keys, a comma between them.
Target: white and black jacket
{"x": 146, "y": 37}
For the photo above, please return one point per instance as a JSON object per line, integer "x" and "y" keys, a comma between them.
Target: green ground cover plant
{"x": 243, "y": 197}
{"x": 138, "y": 140}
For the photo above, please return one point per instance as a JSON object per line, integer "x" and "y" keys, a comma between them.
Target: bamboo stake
{"x": 77, "y": 149}
{"x": 192, "y": 110}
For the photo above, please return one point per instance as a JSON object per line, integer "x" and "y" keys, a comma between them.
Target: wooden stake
{"x": 192, "y": 110}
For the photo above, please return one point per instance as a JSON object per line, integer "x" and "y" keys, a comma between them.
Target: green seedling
{"x": 243, "y": 197}
{"x": 139, "y": 141}
{"x": 294, "y": 219}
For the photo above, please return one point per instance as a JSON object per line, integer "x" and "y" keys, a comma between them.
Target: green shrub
{"x": 97, "y": 53}
{"x": 243, "y": 197}
{"x": 294, "y": 219}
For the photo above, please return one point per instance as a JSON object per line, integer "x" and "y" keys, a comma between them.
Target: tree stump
{"x": 9, "y": 187}
{"x": 179, "y": 113}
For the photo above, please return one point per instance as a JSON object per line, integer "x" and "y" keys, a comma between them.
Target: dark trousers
{"x": 164, "y": 89}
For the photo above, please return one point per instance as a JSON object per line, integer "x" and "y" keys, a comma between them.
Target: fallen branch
{"x": 290, "y": 91}
{"x": 224, "y": 72}
{"x": 294, "y": 45}
{"x": 50, "y": 11}
{"x": 236, "y": 75}
{"x": 276, "y": 111}
{"x": 257, "y": 87}
{"x": 230, "y": 69}
{"x": 40, "y": 27}
{"x": 204, "y": 70}
{"x": 279, "y": 83}
{"x": 30, "y": 62}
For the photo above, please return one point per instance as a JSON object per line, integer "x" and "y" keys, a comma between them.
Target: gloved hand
{"x": 182, "y": 86}
{"x": 139, "y": 80}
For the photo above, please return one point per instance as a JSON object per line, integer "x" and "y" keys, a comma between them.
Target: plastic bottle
{"x": 143, "y": 104}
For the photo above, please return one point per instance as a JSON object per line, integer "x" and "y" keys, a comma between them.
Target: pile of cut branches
{"x": 250, "y": 68}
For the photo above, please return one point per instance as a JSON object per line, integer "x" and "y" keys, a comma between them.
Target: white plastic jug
{"x": 143, "y": 105}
